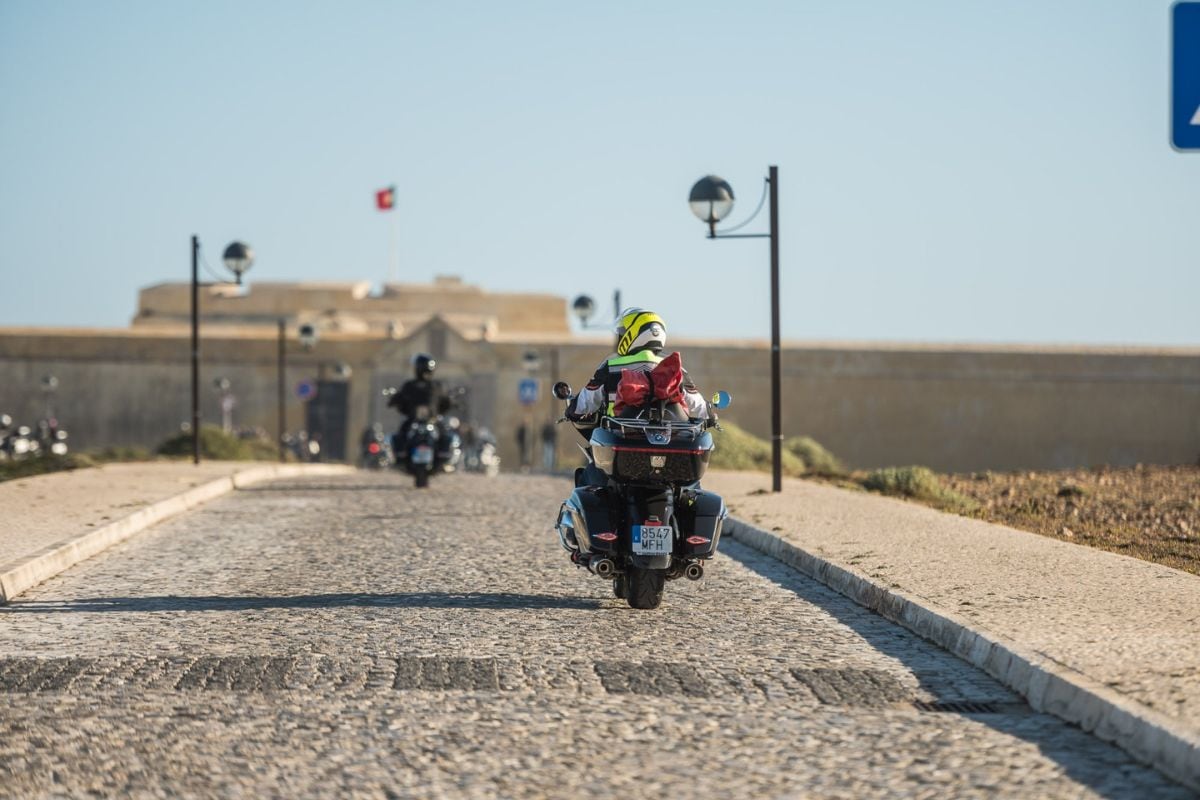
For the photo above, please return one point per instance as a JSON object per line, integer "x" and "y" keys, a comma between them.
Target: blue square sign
{"x": 1185, "y": 76}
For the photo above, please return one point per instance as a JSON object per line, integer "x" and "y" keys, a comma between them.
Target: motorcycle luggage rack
{"x": 619, "y": 424}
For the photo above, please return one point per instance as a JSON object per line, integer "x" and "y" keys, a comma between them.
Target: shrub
{"x": 43, "y": 464}
{"x": 815, "y": 457}
{"x": 737, "y": 449}
{"x": 919, "y": 483}
{"x": 218, "y": 445}
{"x": 120, "y": 453}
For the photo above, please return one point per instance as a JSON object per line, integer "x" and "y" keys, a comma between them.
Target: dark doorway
{"x": 325, "y": 418}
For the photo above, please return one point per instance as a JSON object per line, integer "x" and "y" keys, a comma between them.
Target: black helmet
{"x": 424, "y": 365}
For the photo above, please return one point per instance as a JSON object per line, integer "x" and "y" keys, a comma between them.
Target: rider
{"x": 641, "y": 337}
{"x": 421, "y": 390}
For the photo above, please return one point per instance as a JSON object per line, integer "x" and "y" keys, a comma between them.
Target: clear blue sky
{"x": 949, "y": 171}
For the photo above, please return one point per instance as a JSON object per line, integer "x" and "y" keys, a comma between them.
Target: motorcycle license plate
{"x": 652, "y": 540}
{"x": 422, "y": 455}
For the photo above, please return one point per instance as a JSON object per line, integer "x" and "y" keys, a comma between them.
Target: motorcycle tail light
{"x": 698, "y": 540}
{"x": 606, "y": 537}
{"x": 373, "y": 448}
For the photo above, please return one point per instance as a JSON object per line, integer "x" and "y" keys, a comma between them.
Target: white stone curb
{"x": 29, "y": 571}
{"x": 1050, "y": 687}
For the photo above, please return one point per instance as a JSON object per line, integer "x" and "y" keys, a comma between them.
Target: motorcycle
{"x": 480, "y": 453}
{"x": 638, "y": 516}
{"x": 301, "y": 447}
{"x": 427, "y": 445}
{"x": 51, "y": 438}
{"x": 17, "y": 443}
{"x": 376, "y": 448}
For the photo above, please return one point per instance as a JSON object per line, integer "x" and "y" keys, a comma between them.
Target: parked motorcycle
{"x": 301, "y": 447}
{"x": 52, "y": 439}
{"x": 638, "y": 516}
{"x": 376, "y": 448}
{"x": 480, "y": 453}
{"x": 427, "y": 445}
{"x": 17, "y": 442}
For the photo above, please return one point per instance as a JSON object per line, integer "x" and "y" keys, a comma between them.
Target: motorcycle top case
{"x": 632, "y": 458}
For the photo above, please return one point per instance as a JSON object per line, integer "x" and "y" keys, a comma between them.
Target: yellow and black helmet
{"x": 639, "y": 329}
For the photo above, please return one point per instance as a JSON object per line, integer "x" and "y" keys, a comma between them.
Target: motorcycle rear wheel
{"x": 421, "y": 477}
{"x": 644, "y": 587}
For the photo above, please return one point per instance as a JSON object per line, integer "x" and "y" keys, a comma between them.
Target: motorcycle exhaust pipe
{"x": 603, "y": 567}
{"x": 693, "y": 572}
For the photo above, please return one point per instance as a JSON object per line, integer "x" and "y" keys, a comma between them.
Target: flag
{"x": 385, "y": 199}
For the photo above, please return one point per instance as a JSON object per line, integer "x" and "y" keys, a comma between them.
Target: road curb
{"x": 1046, "y": 685}
{"x": 31, "y": 570}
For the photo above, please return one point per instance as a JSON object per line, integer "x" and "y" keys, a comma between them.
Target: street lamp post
{"x": 281, "y": 389}
{"x": 224, "y": 390}
{"x": 711, "y": 200}
{"x": 49, "y": 387}
{"x": 584, "y": 307}
{"x": 238, "y": 258}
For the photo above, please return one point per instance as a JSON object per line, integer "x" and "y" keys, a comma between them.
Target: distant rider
{"x": 421, "y": 391}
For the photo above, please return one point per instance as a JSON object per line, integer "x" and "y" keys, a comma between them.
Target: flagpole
{"x": 393, "y": 255}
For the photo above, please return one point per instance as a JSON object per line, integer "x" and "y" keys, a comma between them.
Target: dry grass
{"x": 1148, "y": 512}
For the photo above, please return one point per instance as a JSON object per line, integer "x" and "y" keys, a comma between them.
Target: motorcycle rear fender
{"x": 591, "y": 512}
{"x": 650, "y": 562}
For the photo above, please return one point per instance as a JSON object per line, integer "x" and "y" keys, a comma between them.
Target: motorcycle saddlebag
{"x": 701, "y": 520}
{"x": 589, "y": 511}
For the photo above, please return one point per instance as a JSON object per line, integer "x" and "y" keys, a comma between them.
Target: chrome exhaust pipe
{"x": 693, "y": 572}
{"x": 603, "y": 567}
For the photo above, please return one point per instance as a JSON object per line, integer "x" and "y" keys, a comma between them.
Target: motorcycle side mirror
{"x": 722, "y": 400}
{"x": 562, "y": 390}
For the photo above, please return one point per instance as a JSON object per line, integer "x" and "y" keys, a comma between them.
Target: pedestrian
{"x": 523, "y": 446}
{"x": 549, "y": 445}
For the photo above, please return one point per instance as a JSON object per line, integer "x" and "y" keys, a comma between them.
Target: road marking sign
{"x": 1185, "y": 76}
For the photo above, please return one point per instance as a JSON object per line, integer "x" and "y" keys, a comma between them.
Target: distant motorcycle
{"x": 428, "y": 444}
{"x": 52, "y": 439}
{"x": 17, "y": 443}
{"x": 301, "y": 447}
{"x": 376, "y": 448}
{"x": 481, "y": 455}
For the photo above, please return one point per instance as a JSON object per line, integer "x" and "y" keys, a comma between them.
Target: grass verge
{"x": 215, "y": 444}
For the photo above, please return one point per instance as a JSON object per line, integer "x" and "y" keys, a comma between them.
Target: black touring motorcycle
{"x": 638, "y": 516}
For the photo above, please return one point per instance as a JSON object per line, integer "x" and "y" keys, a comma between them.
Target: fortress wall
{"x": 951, "y": 408}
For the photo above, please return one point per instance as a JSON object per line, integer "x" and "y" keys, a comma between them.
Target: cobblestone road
{"x": 353, "y": 636}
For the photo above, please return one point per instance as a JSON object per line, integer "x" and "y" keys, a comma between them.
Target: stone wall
{"x": 952, "y": 408}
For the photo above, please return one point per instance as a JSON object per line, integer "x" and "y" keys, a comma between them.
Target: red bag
{"x": 664, "y": 382}
{"x": 667, "y": 378}
{"x": 633, "y": 390}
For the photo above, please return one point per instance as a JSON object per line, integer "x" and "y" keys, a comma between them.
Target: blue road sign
{"x": 527, "y": 391}
{"x": 306, "y": 390}
{"x": 1185, "y": 76}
